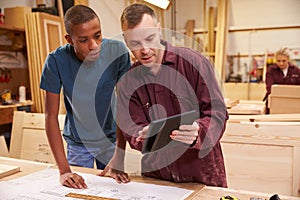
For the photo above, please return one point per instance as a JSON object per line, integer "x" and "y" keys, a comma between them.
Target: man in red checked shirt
{"x": 166, "y": 81}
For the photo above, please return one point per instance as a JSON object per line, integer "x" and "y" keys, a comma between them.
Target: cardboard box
{"x": 284, "y": 99}
{"x": 15, "y": 16}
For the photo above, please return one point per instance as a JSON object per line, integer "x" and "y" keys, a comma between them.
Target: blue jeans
{"x": 79, "y": 155}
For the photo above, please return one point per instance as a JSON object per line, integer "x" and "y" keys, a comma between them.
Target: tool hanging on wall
{"x": 5, "y": 75}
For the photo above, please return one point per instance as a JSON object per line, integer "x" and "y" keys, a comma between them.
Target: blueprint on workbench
{"x": 45, "y": 184}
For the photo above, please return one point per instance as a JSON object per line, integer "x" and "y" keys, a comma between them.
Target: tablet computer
{"x": 160, "y": 130}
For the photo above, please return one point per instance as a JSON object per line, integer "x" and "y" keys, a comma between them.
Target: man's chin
{"x": 149, "y": 64}
{"x": 92, "y": 58}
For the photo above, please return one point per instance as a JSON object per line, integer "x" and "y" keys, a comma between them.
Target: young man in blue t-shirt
{"x": 87, "y": 70}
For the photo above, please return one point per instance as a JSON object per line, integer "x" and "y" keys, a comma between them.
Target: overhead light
{"x": 159, "y": 3}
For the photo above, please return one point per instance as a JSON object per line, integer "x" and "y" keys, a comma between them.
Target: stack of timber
{"x": 44, "y": 33}
{"x": 247, "y": 107}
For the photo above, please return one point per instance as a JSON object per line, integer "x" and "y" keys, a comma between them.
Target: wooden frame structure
{"x": 29, "y": 141}
{"x": 263, "y": 156}
{"x": 28, "y": 137}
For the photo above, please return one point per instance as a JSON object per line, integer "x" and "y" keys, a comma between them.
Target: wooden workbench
{"x": 200, "y": 191}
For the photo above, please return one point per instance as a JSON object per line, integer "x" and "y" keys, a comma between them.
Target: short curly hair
{"x": 78, "y": 14}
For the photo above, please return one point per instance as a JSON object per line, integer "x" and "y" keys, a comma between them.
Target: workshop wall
{"x": 279, "y": 18}
{"x": 273, "y": 15}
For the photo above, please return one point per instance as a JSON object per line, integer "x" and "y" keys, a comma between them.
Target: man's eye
{"x": 134, "y": 45}
{"x": 150, "y": 39}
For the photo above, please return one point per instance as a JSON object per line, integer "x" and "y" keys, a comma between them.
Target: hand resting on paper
{"x": 72, "y": 180}
{"x": 115, "y": 169}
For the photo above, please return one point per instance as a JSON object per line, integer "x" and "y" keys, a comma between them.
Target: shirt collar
{"x": 169, "y": 54}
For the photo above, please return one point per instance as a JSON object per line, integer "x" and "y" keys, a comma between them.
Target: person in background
{"x": 165, "y": 81}
{"x": 282, "y": 72}
{"x": 87, "y": 70}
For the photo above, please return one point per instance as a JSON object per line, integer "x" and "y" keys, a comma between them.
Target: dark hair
{"x": 133, "y": 14}
{"x": 78, "y": 14}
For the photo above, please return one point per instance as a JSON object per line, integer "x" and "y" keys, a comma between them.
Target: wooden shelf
{"x": 242, "y": 29}
{"x": 11, "y": 28}
{"x": 12, "y": 32}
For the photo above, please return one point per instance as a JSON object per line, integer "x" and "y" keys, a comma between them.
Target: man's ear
{"x": 69, "y": 39}
{"x": 125, "y": 40}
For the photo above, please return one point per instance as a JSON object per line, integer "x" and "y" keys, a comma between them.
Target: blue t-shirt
{"x": 88, "y": 90}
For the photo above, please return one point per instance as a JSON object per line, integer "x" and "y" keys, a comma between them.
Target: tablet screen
{"x": 160, "y": 130}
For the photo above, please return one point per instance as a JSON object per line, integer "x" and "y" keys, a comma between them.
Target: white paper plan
{"x": 45, "y": 184}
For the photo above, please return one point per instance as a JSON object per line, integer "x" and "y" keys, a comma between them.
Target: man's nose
{"x": 93, "y": 44}
{"x": 145, "y": 49}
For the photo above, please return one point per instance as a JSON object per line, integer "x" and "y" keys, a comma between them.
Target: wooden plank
{"x": 16, "y": 135}
{"x": 211, "y": 30}
{"x": 39, "y": 61}
{"x": 27, "y": 167}
{"x": 271, "y": 133}
{"x": 265, "y": 118}
{"x": 231, "y": 103}
{"x": 189, "y": 39}
{"x": 221, "y": 38}
{"x": 3, "y": 147}
{"x": 202, "y": 47}
{"x": 296, "y": 172}
{"x": 60, "y": 8}
{"x": 29, "y": 53}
